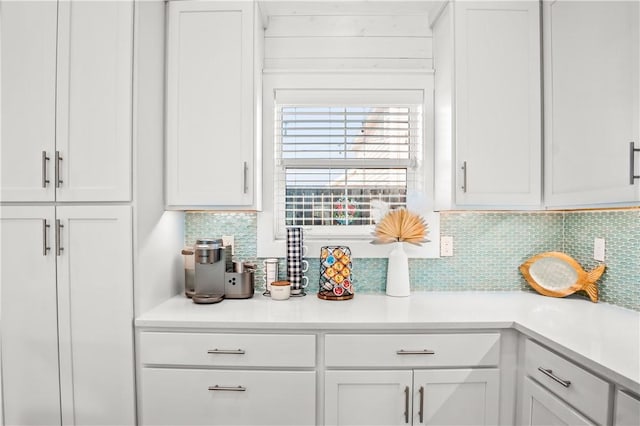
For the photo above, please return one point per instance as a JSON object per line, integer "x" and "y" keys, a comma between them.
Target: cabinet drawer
{"x": 412, "y": 350}
{"x": 213, "y": 397}
{"x": 586, "y": 392}
{"x": 209, "y": 349}
{"x": 627, "y": 410}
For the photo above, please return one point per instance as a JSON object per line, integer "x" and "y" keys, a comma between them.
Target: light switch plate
{"x": 598, "y": 249}
{"x": 446, "y": 246}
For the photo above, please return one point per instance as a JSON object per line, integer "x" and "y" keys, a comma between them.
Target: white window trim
{"x": 267, "y": 243}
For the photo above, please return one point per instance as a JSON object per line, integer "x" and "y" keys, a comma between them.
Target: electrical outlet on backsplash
{"x": 489, "y": 248}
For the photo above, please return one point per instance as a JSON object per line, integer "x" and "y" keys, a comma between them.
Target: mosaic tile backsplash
{"x": 488, "y": 248}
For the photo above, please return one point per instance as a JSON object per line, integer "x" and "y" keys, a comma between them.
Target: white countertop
{"x": 600, "y": 336}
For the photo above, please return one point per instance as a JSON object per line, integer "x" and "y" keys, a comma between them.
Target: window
{"x": 338, "y": 158}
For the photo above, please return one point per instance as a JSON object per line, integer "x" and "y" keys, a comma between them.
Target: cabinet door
{"x": 498, "y": 112}
{"x": 591, "y": 101}
{"x": 627, "y": 410}
{"x": 29, "y": 317}
{"x": 186, "y": 396}
{"x": 539, "y": 407}
{"x": 456, "y": 397}
{"x": 94, "y": 100}
{"x": 210, "y": 104}
{"x": 28, "y": 100}
{"x": 95, "y": 315}
{"x": 367, "y": 397}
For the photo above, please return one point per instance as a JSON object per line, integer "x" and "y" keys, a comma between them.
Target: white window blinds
{"x": 339, "y": 154}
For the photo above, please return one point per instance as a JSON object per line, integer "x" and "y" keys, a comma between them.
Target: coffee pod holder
{"x": 336, "y": 282}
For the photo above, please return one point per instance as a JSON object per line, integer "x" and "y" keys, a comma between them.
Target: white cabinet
{"x": 541, "y": 408}
{"x": 28, "y": 49}
{"x": 442, "y": 393}
{"x": 627, "y": 412}
{"x": 391, "y": 394}
{"x": 67, "y": 340}
{"x": 368, "y": 397}
{"x": 557, "y": 390}
{"x": 29, "y": 317}
{"x": 218, "y": 397}
{"x": 487, "y": 105}
{"x": 227, "y": 379}
{"x": 591, "y": 91}
{"x": 211, "y": 92}
{"x": 431, "y": 397}
{"x": 66, "y": 101}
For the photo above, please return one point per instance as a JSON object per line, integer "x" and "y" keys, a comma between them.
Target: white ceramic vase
{"x": 398, "y": 284}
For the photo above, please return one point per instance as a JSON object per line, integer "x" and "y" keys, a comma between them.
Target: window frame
{"x": 268, "y": 243}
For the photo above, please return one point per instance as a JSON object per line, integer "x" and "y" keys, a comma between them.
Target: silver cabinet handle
{"x": 421, "y": 352}
{"x": 58, "y": 160}
{"x": 549, "y": 373}
{"x": 406, "y": 404}
{"x": 226, "y": 351}
{"x": 632, "y": 164}
{"x": 421, "y": 412}
{"x": 464, "y": 176}
{"x": 45, "y": 162}
{"x": 245, "y": 170}
{"x": 45, "y": 238}
{"x": 59, "y": 247}
{"x": 227, "y": 388}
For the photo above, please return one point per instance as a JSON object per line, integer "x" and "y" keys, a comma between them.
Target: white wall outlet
{"x": 598, "y": 249}
{"x": 227, "y": 240}
{"x": 446, "y": 246}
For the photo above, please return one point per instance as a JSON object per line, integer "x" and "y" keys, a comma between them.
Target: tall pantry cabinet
{"x": 67, "y": 279}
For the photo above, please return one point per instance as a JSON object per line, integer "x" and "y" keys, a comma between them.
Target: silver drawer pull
{"x": 422, "y": 352}
{"x": 632, "y": 167}
{"x": 421, "y": 412}
{"x": 226, "y": 351}
{"x": 45, "y": 162}
{"x": 58, "y": 172}
{"x": 549, "y": 373}
{"x": 45, "y": 238}
{"x": 406, "y": 404}
{"x": 228, "y": 388}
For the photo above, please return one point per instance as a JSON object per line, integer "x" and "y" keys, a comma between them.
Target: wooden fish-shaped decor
{"x": 558, "y": 275}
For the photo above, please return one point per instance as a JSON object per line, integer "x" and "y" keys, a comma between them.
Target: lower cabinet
{"x": 67, "y": 308}
{"x": 220, "y": 397}
{"x": 627, "y": 411}
{"x": 389, "y": 379}
{"x": 210, "y": 378}
{"x": 557, "y": 391}
{"x": 431, "y": 397}
{"x": 540, "y": 407}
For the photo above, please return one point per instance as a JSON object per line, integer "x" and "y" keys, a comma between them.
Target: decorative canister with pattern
{"x": 336, "y": 282}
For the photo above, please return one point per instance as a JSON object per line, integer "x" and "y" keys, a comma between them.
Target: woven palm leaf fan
{"x": 401, "y": 226}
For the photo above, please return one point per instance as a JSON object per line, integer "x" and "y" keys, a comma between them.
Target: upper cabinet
{"x": 66, "y": 101}
{"x": 591, "y": 91}
{"x": 211, "y": 105}
{"x": 488, "y": 106}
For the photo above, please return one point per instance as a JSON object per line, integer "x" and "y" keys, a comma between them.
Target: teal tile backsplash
{"x": 488, "y": 248}
{"x": 620, "y": 284}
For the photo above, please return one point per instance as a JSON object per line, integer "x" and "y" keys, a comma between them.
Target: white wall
{"x": 158, "y": 235}
{"x": 348, "y": 41}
